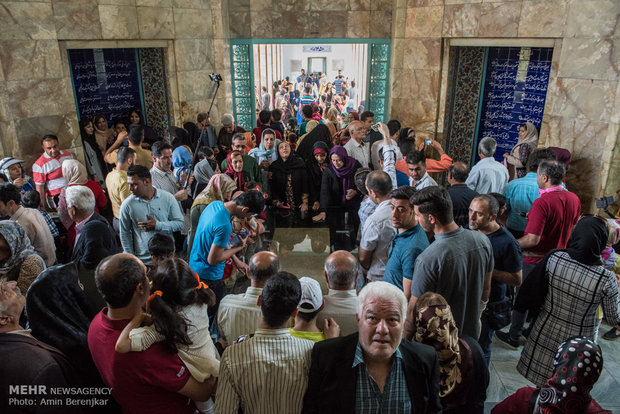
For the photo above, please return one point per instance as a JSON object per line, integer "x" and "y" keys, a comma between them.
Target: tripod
{"x": 204, "y": 125}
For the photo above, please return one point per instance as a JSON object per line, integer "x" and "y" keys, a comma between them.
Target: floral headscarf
{"x": 219, "y": 185}
{"x": 435, "y": 326}
{"x": 19, "y": 244}
{"x": 576, "y": 367}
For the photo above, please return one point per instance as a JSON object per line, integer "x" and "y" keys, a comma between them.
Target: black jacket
{"x": 97, "y": 241}
{"x": 331, "y": 386}
{"x": 331, "y": 191}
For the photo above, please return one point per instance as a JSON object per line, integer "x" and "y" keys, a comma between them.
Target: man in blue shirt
{"x": 211, "y": 246}
{"x": 521, "y": 193}
{"x": 146, "y": 212}
{"x": 408, "y": 243}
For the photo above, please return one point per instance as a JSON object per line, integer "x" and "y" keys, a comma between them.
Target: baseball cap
{"x": 310, "y": 294}
{"x": 7, "y": 162}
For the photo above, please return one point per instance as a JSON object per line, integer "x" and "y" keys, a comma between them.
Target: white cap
{"x": 310, "y": 294}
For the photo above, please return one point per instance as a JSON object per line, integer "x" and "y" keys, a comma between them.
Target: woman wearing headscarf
{"x": 59, "y": 314}
{"x": 104, "y": 135}
{"x": 331, "y": 120}
{"x": 234, "y": 169}
{"x": 265, "y": 154}
{"x": 315, "y": 167}
{"x": 577, "y": 366}
{"x": 220, "y": 188}
{"x": 203, "y": 171}
{"x": 182, "y": 164}
{"x": 310, "y": 126}
{"x": 18, "y": 260}
{"x": 340, "y": 199}
{"x": 305, "y": 148}
{"x": 463, "y": 374}
{"x": 520, "y": 153}
{"x": 566, "y": 288}
{"x": 95, "y": 164}
{"x": 288, "y": 180}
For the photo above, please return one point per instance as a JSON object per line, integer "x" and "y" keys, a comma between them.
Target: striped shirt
{"x": 47, "y": 170}
{"x": 267, "y": 373}
{"x": 239, "y": 314}
{"x": 369, "y": 399}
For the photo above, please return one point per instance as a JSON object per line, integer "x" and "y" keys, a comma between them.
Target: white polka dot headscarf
{"x": 577, "y": 366}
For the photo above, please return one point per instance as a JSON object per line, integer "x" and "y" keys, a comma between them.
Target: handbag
{"x": 498, "y": 314}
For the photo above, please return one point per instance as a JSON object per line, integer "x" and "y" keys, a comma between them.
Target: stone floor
{"x": 303, "y": 248}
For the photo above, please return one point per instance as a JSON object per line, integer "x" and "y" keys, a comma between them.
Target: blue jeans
{"x": 518, "y": 318}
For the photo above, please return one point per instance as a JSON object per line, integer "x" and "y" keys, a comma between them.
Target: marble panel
{"x": 424, "y": 3}
{"x": 19, "y": 20}
{"x": 262, "y": 24}
{"x": 354, "y": 5}
{"x": 328, "y": 5}
{"x": 156, "y": 23}
{"x": 400, "y": 22}
{"x": 424, "y": 84}
{"x": 298, "y": 6}
{"x": 542, "y": 18}
{"x": 77, "y": 21}
{"x": 190, "y": 84}
{"x": 192, "y": 23}
{"x": 590, "y": 58}
{"x": 8, "y": 138}
{"x": 462, "y": 1}
{"x": 593, "y": 18}
{"x": 154, "y": 3}
{"x": 424, "y": 21}
{"x": 422, "y": 53}
{"x": 398, "y": 53}
{"x": 241, "y": 5}
{"x": 382, "y": 5}
{"x": 499, "y": 19}
{"x": 358, "y": 24}
{"x": 328, "y": 24}
{"x": 380, "y": 24}
{"x": 220, "y": 24}
{"x": 577, "y": 98}
{"x": 193, "y": 54}
{"x": 30, "y": 59}
{"x": 117, "y": 2}
{"x": 5, "y": 110}
{"x": 396, "y": 90}
{"x": 30, "y": 130}
{"x": 196, "y": 4}
{"x": 118, "y": 22}
{"x": 461, "y": 20}
{"x": 42, "y": 97}
{"x": 239, "y": 22}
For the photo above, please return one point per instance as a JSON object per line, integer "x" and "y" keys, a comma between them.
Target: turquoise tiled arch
{"x": 242, "y": 75}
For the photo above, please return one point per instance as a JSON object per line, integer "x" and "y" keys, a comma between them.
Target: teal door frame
{"x": 242, "y": 75}
{"x": 323, "y": 60}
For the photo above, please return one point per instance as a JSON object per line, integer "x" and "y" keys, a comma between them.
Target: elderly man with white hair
{"x": 375, "y": 370}
{"x": 224, "y": 137}
{"x": 488, "y": 175}
{"x": 94, "y": 237}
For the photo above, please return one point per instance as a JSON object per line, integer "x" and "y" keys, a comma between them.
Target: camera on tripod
{"x": 215, "y": 77}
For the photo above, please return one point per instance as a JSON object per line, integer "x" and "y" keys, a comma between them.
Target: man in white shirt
{"x": 488, "y": 175}
{"x": 356, "y": 147}
{"x": 340, "y": 271}
{"x": 418, "y": 177}
{"x": 240, "y": 314}
{"x": 268, "y": 372}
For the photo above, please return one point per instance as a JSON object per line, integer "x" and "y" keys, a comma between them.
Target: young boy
{"x": 308, "y": 310}
{"x": 161, "y": 246}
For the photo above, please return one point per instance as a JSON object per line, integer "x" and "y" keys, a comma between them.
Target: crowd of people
{"x": 114, "y": 270}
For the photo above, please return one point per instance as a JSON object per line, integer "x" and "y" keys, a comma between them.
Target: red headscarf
{"x": 238, "y": 177}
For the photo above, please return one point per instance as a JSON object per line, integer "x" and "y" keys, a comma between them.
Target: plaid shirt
{"x": 50, "y": 223}
{"x": 368, "y": 397}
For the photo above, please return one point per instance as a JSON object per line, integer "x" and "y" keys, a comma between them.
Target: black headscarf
{"x": 320, "y": 133}
{"x": 588, "y": 240}
{"x": 286, "y": 167}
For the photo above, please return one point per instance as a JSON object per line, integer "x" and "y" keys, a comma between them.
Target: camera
{"x": 215, "y": 77}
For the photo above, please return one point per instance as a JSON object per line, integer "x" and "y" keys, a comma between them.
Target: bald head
{"x": 263, "y": 265}
{"x": 341, "y": 270}
{"x": 458, "y": 173}
{"x": 117, "y": 278}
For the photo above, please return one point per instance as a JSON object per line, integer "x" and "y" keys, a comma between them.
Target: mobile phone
{"x": 428, "y": 141}
{"x": 375, "y": 127}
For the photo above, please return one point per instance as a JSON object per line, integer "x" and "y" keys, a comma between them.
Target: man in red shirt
{"x": 151, "y": 381}
{"x": 264, "y": 119}
{"x": 549, "y": 225}
{"x": 47, "y": 171}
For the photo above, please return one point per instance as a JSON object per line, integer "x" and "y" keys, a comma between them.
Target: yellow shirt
{"x": 143, "y": 157}
{"x": 313, "y": 336}
{"x": 118, "y": 190}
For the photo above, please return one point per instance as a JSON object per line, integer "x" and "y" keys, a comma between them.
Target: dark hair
{"x": 161, "y": 245}
{"x": 99, "y": 116}
{"x": 436, "y": 201}
{"x": 135, "y": 134}
{"x": 264, "y": 116}
{"x": 276, "y": 114}
{"x": 360, "y": 179}
{"x": 253, "y": 200}
{"x": 415, "y": 157}
{"x": 140, "y": 170}
{"x": 260, "y": 274}
{"x": 204, "y": 152}
{"x": 306, "y": 110}
{"x": 500, "y": 198}
{"x": 365, "y": 115}
{"x": 213, "y": 164}
{"x": 538, "y": 156}
{"x": 201, "y": 117}
{"x": 117, "y": 286}
{"x": 159, "y": 147}
{"x": 280, "y": 297}
{"x": 491, "y": 202}
{"x": 406, "y": 144}
{"x": 404, "y": 192}
{"x": 137, "y": 111}
{"x": 180, "y": 287}
{"x": 458, "y": 174}
{"x": 393, "y": 126}
{"x": 4, "y": 178}
{"x": 49, "y": 137}
{"x": 552, "y": 169}
{"x": 83, "y": 122}
{"x": 10, "y": 192}
{"x": 120, "y": 121}
{"x": 380, "y": 182}
{"x": 238, "y": 136}
{"x": 307, "y": 89}
{"x": 307, "y": 316}
{"x": 124, "y": 153}
{"x": 31, "y": 199}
